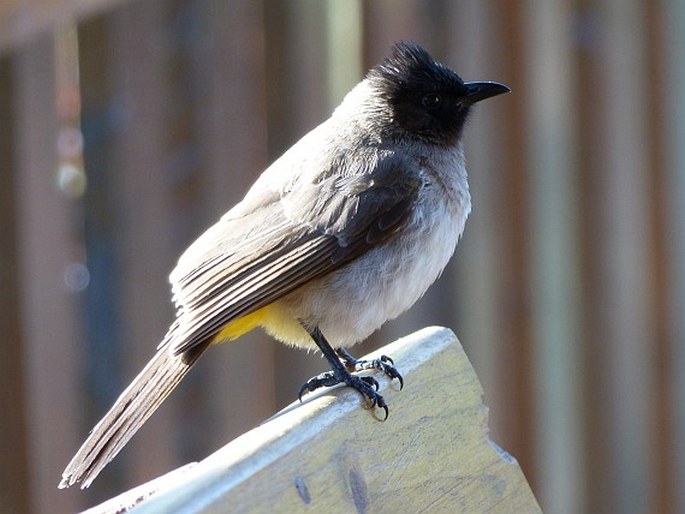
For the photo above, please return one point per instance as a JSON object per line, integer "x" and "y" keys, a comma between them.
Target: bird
{"x": 343, "y": 232}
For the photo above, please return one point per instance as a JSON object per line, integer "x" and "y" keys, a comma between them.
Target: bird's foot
{"x": 384, "y": 364}
{"x": 366, "y": 386}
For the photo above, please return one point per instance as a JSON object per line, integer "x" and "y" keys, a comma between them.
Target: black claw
{"x": 326, "y": 379}
{"x": 393, "y": 373}
{"x": 372, "y": 381}
{"x": 384, "y": 406}
{"x": 385, "y": 358}
{"x": 385, "y": 365}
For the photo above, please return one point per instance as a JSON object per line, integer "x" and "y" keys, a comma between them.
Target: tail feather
{"x": 135, "y": 405}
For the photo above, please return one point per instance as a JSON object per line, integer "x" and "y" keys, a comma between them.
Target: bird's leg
{"x": 339, "y": 374}
{"x": 384, "y": 364}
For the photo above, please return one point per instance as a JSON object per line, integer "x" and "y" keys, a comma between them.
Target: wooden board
{"x": 433, "y": 454}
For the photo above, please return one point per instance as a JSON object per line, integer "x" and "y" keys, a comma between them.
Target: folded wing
{"x": 311, "y": 230}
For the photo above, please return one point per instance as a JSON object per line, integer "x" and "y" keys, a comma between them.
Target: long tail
{"x": 135, "y": 405}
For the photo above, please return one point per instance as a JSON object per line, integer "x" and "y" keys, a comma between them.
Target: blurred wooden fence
{"x": 127, "y": 127}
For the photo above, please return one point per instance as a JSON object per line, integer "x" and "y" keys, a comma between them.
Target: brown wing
{"x": 284, "y": 240}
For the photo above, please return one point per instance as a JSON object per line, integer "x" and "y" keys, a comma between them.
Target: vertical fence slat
{"x": 387, "y": 21}
{"x": 344, "y": 48}
{"x": 478, "y": 282}
{"x": 658, "y": 108}
{"x": 554, "y": 261}
{"x": 47, "y": 309}
{"x": 623, "y": 305}
{"x": 498, "y": 175}
{"x": 14, "y": 472}
{"x": 140, "y": 77}
{"x": 674, "y": 35}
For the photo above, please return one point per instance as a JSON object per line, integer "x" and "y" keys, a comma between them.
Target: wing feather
{"x": 235, "y": 268}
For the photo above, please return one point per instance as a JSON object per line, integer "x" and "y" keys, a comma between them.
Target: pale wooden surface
{"x": 433, "y": 454}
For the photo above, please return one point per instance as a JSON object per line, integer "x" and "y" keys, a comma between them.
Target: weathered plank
{"x": 433, "y": 454}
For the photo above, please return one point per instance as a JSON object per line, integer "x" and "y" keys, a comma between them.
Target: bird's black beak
{"x": 477, "y": 91}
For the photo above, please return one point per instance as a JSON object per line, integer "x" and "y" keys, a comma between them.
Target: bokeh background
{"x": 126, "y": 127}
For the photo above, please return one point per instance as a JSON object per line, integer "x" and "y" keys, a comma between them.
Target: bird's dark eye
{"x": 431, "y": 100}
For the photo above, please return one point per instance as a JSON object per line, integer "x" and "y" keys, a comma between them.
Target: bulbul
{"x": 346, "y": 230}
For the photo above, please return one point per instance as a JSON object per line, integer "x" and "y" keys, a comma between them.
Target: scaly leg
{"x": 341, "y": 365}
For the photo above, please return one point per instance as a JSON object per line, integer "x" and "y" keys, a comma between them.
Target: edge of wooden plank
{"x": 330, "y": 450}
